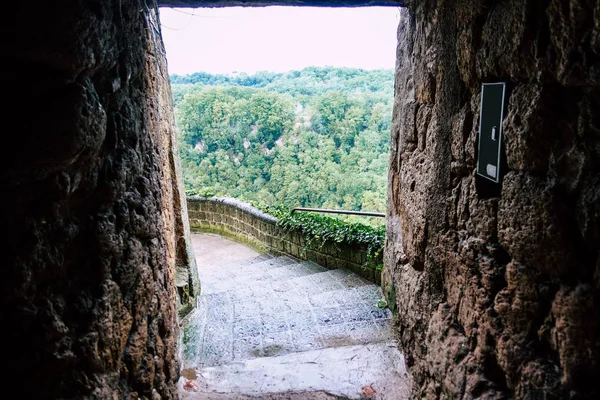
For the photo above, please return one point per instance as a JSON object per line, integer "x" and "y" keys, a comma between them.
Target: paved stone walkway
{"x": 268, "y": 325}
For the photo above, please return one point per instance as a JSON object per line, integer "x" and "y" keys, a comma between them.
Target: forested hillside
{"x": 314, "y": 138}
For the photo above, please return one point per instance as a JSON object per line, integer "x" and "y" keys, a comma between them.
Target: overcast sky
{"x": 224, "y": 40}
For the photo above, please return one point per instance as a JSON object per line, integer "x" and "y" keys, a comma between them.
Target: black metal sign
{"x": 490, "y": 130}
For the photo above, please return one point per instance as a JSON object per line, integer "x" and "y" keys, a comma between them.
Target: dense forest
{"x": 318, "y": 137}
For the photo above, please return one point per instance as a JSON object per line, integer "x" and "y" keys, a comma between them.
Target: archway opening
{"x": 292, "y": 134}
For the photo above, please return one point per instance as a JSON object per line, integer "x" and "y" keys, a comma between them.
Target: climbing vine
{"x": 201, "y": 192}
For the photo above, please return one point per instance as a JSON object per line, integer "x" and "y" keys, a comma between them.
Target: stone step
{"x": 300, "y": 314}
{"x": 264, "y": 261}
{"x": 247, "y": 272}
{"x": 269, "y": 328}
{"x": 341, "y": 371}
{"x": 303, "y": 278}
{"x": 269, "y": 272}
{"x": 213, "y": 277}
{"x": 207, "y": 394}
{"x": 253, "y": 260}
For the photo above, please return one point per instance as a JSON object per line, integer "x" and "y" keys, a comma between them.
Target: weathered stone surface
{"x": 90, "y": 206}
{"x": 279, "y": 324}
{"x": 534, "y": 224}
{"x": 492, "y": 290}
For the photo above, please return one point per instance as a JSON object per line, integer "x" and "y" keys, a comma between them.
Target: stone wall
{"x": 92, "y": 211}
{"x": 244, "y": 223}
{"x": 498, "y": 294}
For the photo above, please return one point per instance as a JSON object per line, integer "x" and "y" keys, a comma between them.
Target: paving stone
{"x": 275, "y": 305}
{"x": 274, "y": 323}
{"x": 352, "y": 280}
{"x": 353, "y": 333}
{"x": 306, "y": 340}
{"x": 250, "y": 327}
{"x": 246, "y": 308}
{"x": 356, "y": 312}
{"x": 254, "y": 260}
{"x": 338, "y": 370}
{"x": 303, "y": 321}
{"x": 216, "y": 352}
{"x": 379, "y": 313}
{"x": 326, "y": 299}
{"x": 297, "y": 302}
{"x": 283, "y": 286}
{"x": 329, "y": 316}
{"x": 323, "y": 277}
{"x": 370, "y": 294}
{"x": 339, "y": 273}
{"x": 246, "y": 348}
{"x": 309, "y": 267}
{"x": 270, "y": 308}
{"x": 386, "y": 332}
{"x": 346, "y": 296}
{"x": 302, "y": 283}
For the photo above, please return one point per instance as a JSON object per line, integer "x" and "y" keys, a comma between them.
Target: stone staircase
{"x": 269, "y": 325}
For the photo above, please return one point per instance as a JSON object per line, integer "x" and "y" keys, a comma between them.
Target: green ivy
{"x": 204, "y": 192}
{"x": 321, "y": 229}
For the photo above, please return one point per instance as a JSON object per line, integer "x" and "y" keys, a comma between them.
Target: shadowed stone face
{"x": 493, "y": 292}
{"x": 90, "y": 204}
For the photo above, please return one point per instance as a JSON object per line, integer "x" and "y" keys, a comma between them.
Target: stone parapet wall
{"x": 242, "y": 222}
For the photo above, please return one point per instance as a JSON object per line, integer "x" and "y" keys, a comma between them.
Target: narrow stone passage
{"x": 268, "y": 325}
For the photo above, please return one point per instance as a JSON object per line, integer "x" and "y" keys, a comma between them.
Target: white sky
{"x": 278, "y": 39}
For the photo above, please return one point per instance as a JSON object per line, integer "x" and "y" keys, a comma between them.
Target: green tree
{"x": 241, "y": 136}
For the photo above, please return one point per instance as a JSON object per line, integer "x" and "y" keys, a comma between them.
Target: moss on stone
{"x": 185, "y": 310}
{"x": 391, "y": 298}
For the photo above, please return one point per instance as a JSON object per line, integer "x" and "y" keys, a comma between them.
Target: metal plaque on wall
{"x": 490, "y": 130}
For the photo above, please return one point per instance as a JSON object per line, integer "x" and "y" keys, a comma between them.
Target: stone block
{"x": 298, "y": 237}
{"x": 357, "y": 256}
{"x": 295, "y": 250}
{"x": 342, "y": 252}
{"x": 329, "y": 249}
{"x": 280, "y": 244}
{"x": 331, "y": 262}
{"x": 367, "y": 273}
{"x": 311, "y": 254}
{"x": 321, "y": 259}
{"x": 354, "y": 268}
{"x": 377, "y": 276}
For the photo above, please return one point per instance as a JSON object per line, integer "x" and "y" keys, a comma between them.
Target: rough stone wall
{"x": 498, "y": 295}
{"x": 89, "y": 203}
{"x": 244, "y": 223}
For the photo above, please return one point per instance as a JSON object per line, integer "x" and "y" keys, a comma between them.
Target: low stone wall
{"x": 244, "y": 223}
